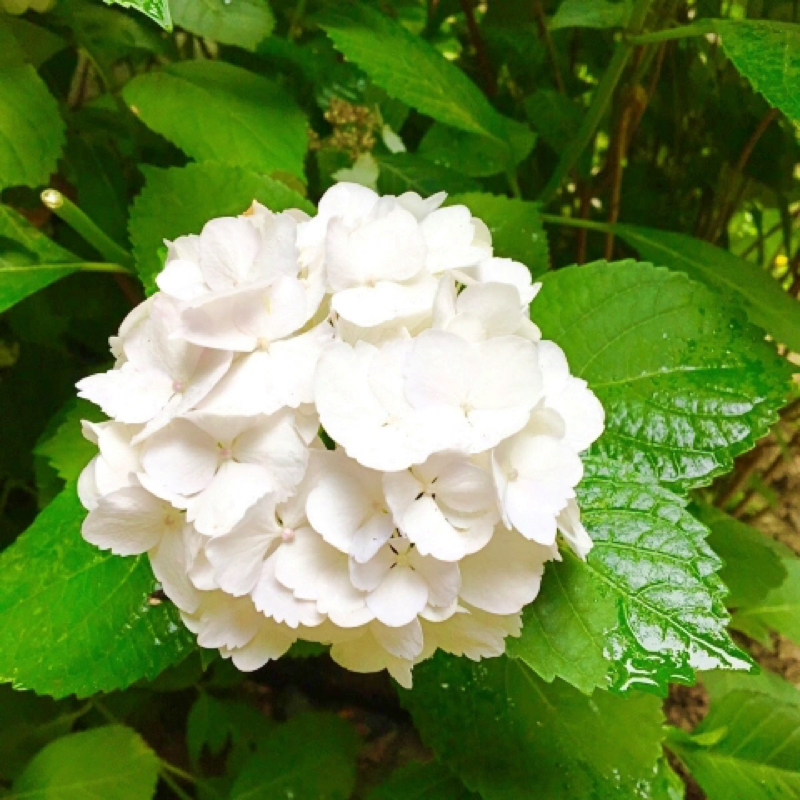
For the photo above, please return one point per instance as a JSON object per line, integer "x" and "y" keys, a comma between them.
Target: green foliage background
{"x": 640, "y": 157}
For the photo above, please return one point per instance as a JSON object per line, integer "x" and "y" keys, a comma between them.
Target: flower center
{"x": 225, "y": 453}
{"x": 178, "y": 386}
{"x": 513, "y": 474}
{"x": 287, "y": 534}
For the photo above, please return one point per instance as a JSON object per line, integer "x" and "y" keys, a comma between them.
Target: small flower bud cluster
{"x": 341, "y": 429}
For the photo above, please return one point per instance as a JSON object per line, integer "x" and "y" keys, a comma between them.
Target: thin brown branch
{"x": 585, "y": 194}
{"x": 547, "y": 39}
{"x": 485, "y": 67}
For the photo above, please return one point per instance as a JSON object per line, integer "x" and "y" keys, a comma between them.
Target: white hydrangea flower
{"x": 453, "y": 435}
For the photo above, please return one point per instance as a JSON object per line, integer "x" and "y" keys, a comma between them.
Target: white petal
{"x": 228, "y": 248}
{"x": 368, "y": 575}
{"x": 404, "y": 642}
{"x": 127, "y": 394}
{"x": 569, "y": 523}
{"x": 168, "y": 560}
{"x": 274, "y": 600}
{"x": 128, "y": 522}
{"x": 441, "y": 370}
{"x": 181, "y": 279}
{"x": 443, "y": 578}
{"x": 399, "y": 598}
{"x": 270, "y": 642}
{"x": 368, "y": 306}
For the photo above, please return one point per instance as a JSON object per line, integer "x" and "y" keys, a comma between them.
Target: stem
{"x": 573, "y": 222}
{"x": 544, "y": 36}
{"x": 700, "y": 28}
{"x": 513, "y": 183}
{"x": 599, "y": 105}
{"x": 480, "y": 50}
{"x": 173, "y": 784}
{"x": 66, "y": 210}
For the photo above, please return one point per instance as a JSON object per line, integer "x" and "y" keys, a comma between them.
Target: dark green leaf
{"x": 67, "y": 450}
{"x": 645, "y": 608}
{"x": 554, "y": 116}
{"x": 752, "y": 565}
{"x": 596, "y": 14}
{"x": 23, "y": 42}
{"x": 766, "y": 303}
{"x": 411, "y": 70}
{"x": 241, "y": 22}
{"x": 516, "y": 228}
{"x": 112, "y": 763}
{"x": 469, "y": 153}
{"x": 157, "y": 10}
{"x": 31, "y": 129}
{"x": 403, "y": 172}
{"x": 686, "y": 384}
{"x": 311, "y": 757}
{"x": 768, "y": 55}
{"x": 755, "y": 749}
{"x": 506, "y": 733}
{"x": 218, "y": 112}
{"x": 178, "y": 201}
{"x": 416, "y": 781}
{"x": 74, "y": 619}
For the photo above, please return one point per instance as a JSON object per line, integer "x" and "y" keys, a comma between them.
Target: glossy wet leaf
{"x": 241, "y": 22}
{"x": 310, "y": 757}
{"x": 112, "y": 763}
{"x": 156, "y": 10}
{"x": 768, "y": 55}
{"x": 161, "y": 211}
{"x": 687, "y": 385}
{"x": 515, "y": 226}
{"x": 647, "y": 606}
{"x": 76, "y": 620}
{"x": 31, "y": 129}
{"x": 745, "y": 283}
{"x": 411, "y": 70}
{"x": 756, "y": 754}
{"x": 504, "y": 731}
{"x": 416, "y": 781}
{"x": 219, "y": 112}
{"x": 752, "y": 564}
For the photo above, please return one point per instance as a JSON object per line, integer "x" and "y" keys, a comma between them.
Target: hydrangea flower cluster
{"x": 341, "y": 429}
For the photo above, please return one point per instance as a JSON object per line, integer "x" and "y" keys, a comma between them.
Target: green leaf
{"x": 30, "y": 260}
{"x": 718, "y": 684}
{"x": 112, "y": 763}
{"x": 778, "y": 611}
{"x": 311, "y": 757}
{"x": 468, "y": 153}
{"x": 413, "y": 71}
{"x": 74, "y": 619}
{"x": 646, "y": 607}
{"x": 506, "y": 733}
{"x": 403, "y": 172}
{"x": 416, "y": 781}
{"x": 31, "y": 129}
{"x": 67, "y": 450}
{"x": 157, "y": 10}
{"x": 515, "y": 226}
{"x": 23, "y": 42}
{"x": 757, "y": 755}
{"x": 766, "y": 303}
{"x": 244, "y": 23}
{"x": 179, "y": 201}
{"x": 595, "y": 14}
{"x": 686, "y": 384}
{"x": 752, "y": 565}
{"x": 768, "y": 55}
{"x": 218, "y": 112}
{"x": 554, "y": 116}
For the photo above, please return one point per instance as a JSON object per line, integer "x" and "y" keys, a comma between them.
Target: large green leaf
{"x": 766, "y": 303}
{"x": 597, "y": 14}
{"x": 74, "y": 619}
{"x": 417, "y": 781}
{"x": 752, "y": 565}
{"x": 404, "y": 172}
{"x": 178, "y": 201}
{"x": 23, "y": 42}
{"x": 241, "y": 22}
{"x": 645, "y": 608}
{"x": 515, "y": 226}
{"x": 112, "y": 763}
{"x": 507, "y": 734}
{"x": 29, "y": 260}
{"x": 777, "y": 611}
{"x": 218, "y": 112}
{"x": 718, "y": 684}
{"x": 768, "y": 55}
{"x": 157, "y": 10}
{"x": 31, "y": 129}
{"x": 311, "y": 757}
{"x": 411, "y": 70}
{"x": 686, "y": 384}
{"x": 748, "y": 746}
